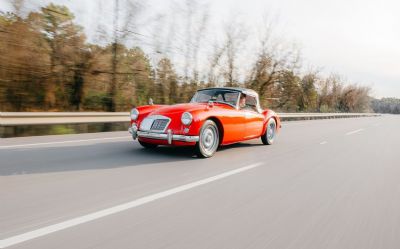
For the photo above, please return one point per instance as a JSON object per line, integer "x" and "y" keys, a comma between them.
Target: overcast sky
{"x": 359, "y": 39}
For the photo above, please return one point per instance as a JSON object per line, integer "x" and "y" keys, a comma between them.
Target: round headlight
{"x": 134, "y": 114}
{"x": 186, "y": 118}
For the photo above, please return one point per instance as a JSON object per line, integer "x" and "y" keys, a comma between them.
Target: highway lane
{"x": 324, "y": 184}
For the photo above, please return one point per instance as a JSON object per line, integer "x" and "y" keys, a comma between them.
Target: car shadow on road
{"x": 168, "y": 152}
{"x": 88, "y": 157}
{"x": 99, "y": 156}
{"x": 239, "y": 145}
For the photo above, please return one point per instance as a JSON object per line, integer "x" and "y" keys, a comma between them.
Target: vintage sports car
{"x": 214, "y": 117}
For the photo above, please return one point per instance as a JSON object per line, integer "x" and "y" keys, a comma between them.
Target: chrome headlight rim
{"x": 186, "y": 118}
{"x": 134, "y": 114}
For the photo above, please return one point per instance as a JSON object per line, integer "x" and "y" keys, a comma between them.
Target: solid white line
{"x": 116, "y": 209}
{"x": 61, "y": 142}
{"x": 324, "y": 142}
{"x": 353, "y": 132}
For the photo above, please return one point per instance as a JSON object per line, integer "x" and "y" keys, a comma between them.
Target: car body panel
{"x": 235, "y": 125}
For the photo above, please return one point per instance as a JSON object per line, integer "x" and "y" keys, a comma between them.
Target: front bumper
{"x": 162, "y": 136}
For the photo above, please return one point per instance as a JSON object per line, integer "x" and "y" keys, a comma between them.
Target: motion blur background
{"x": 69, "y": 55}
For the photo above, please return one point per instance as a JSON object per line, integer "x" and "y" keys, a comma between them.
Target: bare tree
{"x": 195, "y": 19}
{"x": 235, "y": 37}
{"x": 274, "y": 59}
{"x": 214, "y": 63}
{"x": 120, "y": 34}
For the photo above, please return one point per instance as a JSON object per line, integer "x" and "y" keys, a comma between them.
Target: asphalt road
{"x": 323, "y": 184}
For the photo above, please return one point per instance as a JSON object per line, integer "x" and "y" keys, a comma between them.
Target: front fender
{"x": 144, "y": 112}
{"x": 221, "y": 116}
{"x": 199, "y": 117}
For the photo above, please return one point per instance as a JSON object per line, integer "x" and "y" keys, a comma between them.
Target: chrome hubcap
{"x": 271, "y": 131}
{"x": 209, "y": 140}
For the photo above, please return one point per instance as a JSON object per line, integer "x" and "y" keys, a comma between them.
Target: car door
{"x": 253, "y": 119}
{"x": 234, "y": 121}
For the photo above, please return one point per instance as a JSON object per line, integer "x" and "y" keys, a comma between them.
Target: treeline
{"x": 386, "y": 105}
{"x": 46, "y": 63}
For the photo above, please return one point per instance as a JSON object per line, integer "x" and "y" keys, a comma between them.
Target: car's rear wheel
{"x": 148, "y": 145}
{"x": 208, "y": 140}
{"x": 270, "y": 133}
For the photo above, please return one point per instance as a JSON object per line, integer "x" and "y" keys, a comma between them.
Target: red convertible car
{"x": 214, "y": 117}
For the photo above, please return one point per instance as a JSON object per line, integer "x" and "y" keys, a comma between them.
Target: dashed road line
{"x": 354, "y": 132}
{"x": 117, "y": 209}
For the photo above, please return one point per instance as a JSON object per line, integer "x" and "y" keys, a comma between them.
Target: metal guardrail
{"x": 17, "y": 124}
{"x": 50, "y": 118}
{"x": 313, "y": 116}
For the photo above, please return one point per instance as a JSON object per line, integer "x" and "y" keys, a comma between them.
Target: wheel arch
{"x": 268, "y": 115}
{"x": 220, "y": 126}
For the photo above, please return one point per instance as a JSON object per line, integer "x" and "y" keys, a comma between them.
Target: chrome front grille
{"x": 157, "y": 123}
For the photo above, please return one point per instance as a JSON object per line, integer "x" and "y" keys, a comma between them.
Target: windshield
{"x": 216, "y": 95}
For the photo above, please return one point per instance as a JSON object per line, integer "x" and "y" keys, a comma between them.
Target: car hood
{"x": 179, "y": 108}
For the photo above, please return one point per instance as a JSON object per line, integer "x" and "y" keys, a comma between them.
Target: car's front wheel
{"x": 148, "y": 145}
{"x": 208, "y": 140}
{"x": 270, "y": 132}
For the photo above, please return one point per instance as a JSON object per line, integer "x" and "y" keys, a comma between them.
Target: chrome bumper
{"x": 162, "y": 136}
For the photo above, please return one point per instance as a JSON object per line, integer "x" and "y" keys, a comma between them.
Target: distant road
{"x": 324, "y": 184}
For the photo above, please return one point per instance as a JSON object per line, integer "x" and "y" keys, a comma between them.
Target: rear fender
{"x": 268, "y": 114}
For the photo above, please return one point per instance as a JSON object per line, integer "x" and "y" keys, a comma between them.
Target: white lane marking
{"x": 353, "y": 132}
{"x": 61, "y": 142}
{"x": 324, "y": 142}
{"x": 116, "y": 209}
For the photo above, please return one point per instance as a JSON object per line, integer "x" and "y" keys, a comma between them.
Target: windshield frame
{"x": 236, "y": 105}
